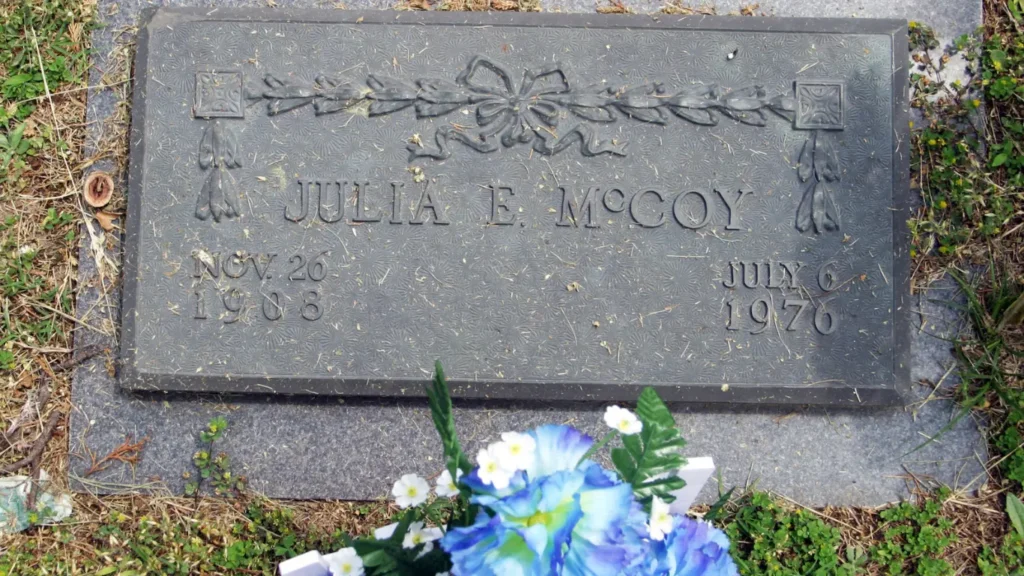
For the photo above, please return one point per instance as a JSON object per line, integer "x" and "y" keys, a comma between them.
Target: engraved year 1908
{"x": 230, "y": 303}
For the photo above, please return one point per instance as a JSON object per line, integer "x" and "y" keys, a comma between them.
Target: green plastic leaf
{"x": 376, "y": 558}
{"x": 650, "y": 408}
{"x": 403, "y": 526}
{"x": 440, "y": 402}
{"x": 623, "y": 462}
{"x": 650, "y": 461}
{"x": 1015, "y": 510}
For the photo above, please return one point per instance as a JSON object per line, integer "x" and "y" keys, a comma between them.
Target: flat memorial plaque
{"x": 556, "y": 206}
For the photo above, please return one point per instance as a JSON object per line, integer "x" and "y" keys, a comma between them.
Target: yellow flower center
{"x": 539, "y": 518}
{"x": 411, "y": 491}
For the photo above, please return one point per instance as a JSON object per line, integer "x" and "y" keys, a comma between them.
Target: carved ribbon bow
{"x": 509, "y": 115}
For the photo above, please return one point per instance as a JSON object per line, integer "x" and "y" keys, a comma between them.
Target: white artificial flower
{"x": 515, "y": 451}
{"x": 622, "y": 420}
{"x": 490, "y": 470}
{"x": 446, "y": 487}
{"x": 410, "y": 490}
{"x": 417, "y": 535}
{"x": 427, "y": 549}
{"x": 385, "y": 532}
{"x": 344, "y": 562}
{"x": 661, "y": 521}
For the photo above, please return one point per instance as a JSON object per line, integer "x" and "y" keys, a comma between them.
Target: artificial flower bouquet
{"x": 537, "y": 504}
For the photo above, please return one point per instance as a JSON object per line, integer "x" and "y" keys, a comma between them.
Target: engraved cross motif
{"x": 219, "y": 95}
{"x": 819, "y": 105}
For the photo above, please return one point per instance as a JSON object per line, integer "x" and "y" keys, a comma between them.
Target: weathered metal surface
{"x": 556, "y": 206}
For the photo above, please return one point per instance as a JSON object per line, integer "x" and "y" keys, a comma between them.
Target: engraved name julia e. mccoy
{"x": 530, "y": 112}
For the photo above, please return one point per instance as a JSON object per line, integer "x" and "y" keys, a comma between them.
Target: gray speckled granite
{"x": 354, "y": 449}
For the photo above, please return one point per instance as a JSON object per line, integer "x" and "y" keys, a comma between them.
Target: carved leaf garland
{"x": 526, "y": 112}
{"x": 536, "y": 110}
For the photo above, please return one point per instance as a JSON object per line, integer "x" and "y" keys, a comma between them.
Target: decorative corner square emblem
{"x": 219, "y": 95}
{"x": 819, "y": 105}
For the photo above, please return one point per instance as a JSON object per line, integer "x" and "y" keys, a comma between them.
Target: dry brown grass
{"x": 977, "y": 522}
{"x": 485, "y": 5}
{"x": 214, "y": 520}
{"x": 682, "y": 8}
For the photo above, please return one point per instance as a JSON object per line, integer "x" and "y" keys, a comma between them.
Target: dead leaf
{"x": 106, "y": 220}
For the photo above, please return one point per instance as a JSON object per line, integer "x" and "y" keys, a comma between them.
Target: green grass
{"x": 42, "y": 44}
{"x": 1007, "y": 559}
{"x": 969, "y": 162}
{"x": 969, "y": 168}
{"x": 262, "y": 536}
{"x": 48, "y": 25}
{"x": 985, "y": 358}
{"x": 914, "y": 538}
{"x": 37, "y": 39}
{"x": 215, "y": 469}
{"x": 768, "y": 539}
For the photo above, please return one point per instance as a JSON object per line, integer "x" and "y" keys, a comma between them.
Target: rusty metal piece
{"x": 98, "y": 190}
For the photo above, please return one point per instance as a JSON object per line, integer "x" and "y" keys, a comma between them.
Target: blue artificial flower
{"x": 692, "y": 548}
{"x": 558, "y": 516}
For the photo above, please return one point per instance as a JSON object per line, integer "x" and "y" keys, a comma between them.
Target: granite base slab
{"x": 355, "y": 448}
